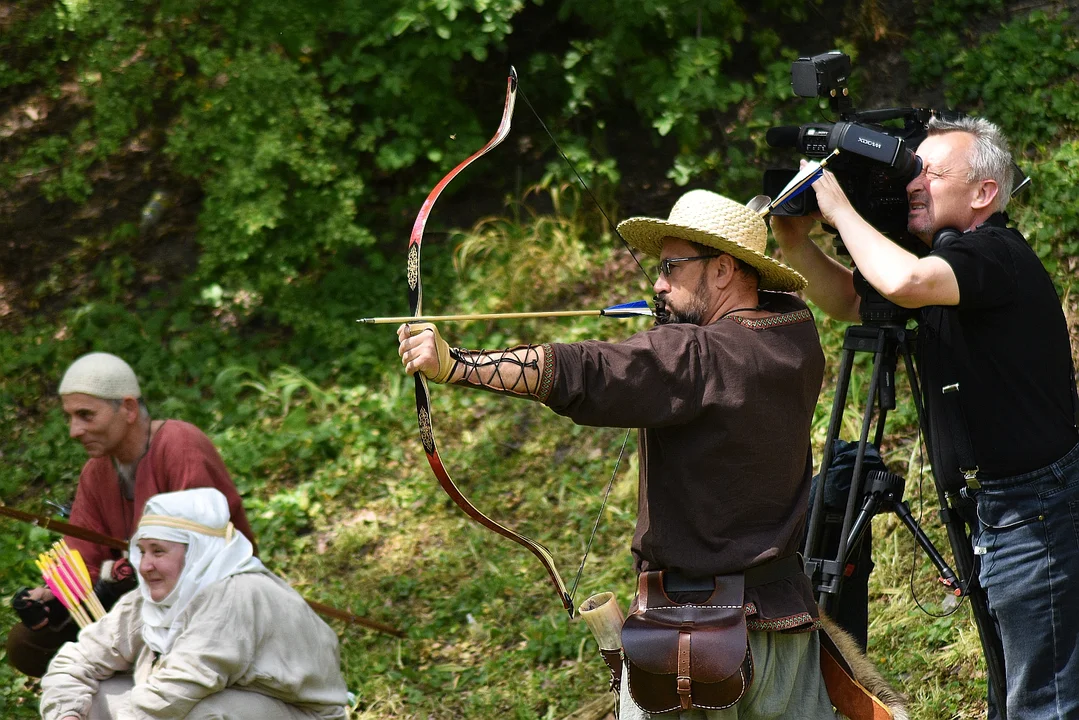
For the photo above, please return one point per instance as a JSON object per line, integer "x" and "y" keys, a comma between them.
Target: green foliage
{"x": 35, "y": 44}
{"x": 1032, "y": 62}
{"x": 297, "y": 141}
{"x": 942, "y": 30}
{"x": 509, "y": 258}
{"x": 281, "y": 172}
{"x": 1051, "y": 218}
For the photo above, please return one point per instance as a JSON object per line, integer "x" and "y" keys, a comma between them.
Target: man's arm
{"x": 517, "y": 371}
{"x": 831, "y": 286}
{"x": 87, "y": 512}
{"x": 591, "y": 382}
{"x": 900, "y": 276}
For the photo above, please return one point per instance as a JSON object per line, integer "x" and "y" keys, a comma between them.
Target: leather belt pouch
{"x": 681, "y": 657}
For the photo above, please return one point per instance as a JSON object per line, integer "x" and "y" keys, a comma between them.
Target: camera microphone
{"x": 783, "y": 136}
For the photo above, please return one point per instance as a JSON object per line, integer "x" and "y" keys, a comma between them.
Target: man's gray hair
{"x": 144, "y": 411}
{"x": 990, "y": 157}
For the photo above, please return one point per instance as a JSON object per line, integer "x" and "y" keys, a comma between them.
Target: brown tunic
{"x": 724, "y": 412}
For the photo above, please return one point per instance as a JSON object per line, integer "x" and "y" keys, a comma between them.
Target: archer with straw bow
{"x": 694, "y": 416}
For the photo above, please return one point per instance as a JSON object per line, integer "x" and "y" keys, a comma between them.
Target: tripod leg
{"x": 963, "y": 554}
{"x": 903, "y": 511}
{"x": 816, "y": 518}
{"x": 857, "y": 484}
{"x": 824, "y": 572}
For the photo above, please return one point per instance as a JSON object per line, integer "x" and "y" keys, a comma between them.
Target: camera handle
{"x": 887, "y": 342}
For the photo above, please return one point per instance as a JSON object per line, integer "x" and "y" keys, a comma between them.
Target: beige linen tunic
{"x": 248, "y": 632}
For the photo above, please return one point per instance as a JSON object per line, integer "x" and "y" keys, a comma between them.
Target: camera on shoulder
{"x": 875, "y": 162}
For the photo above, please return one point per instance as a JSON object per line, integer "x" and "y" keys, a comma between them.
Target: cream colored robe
{"x": 249, "y": 632}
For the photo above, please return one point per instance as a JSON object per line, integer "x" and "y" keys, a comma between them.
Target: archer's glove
{"x": 34, "y": 612}
{"x": 442, "y": 349}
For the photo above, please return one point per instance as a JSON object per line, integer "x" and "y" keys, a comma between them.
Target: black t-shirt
{"x": 1007, "y": 346}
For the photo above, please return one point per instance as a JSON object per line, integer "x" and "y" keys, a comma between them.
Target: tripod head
{"x": 877, "y": 310}
{"x": 885, "y": 489}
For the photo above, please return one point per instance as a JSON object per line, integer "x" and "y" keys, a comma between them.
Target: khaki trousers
{"x": 113, "y": 702}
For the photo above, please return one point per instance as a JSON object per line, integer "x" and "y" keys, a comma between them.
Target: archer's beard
{"x": 665, "y": 314}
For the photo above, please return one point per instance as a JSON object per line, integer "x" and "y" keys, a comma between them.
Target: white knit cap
{"x": 101, "y": 375}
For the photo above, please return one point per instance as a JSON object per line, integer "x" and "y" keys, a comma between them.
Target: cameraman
{"x": 990, "y": 321}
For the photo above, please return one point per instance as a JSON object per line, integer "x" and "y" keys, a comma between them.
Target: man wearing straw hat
{"x": 723, "y": 391}
{"x": 132, "y": 458}
{"x": 209, "y": 634}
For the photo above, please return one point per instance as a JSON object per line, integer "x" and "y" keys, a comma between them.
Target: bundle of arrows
{"x": 66, "y": 576}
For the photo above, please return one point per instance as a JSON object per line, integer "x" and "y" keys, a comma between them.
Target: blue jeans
{"x": 1028, "y": 546}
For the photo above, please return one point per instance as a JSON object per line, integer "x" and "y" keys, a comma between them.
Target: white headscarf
{"x": 199, "y": 518}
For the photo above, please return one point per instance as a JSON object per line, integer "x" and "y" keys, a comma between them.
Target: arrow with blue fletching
{"x": 637, "y": 308}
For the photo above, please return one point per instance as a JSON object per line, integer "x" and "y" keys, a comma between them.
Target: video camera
{"x": 875, "y": 162}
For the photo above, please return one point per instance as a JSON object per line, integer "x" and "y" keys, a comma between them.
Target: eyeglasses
{"x": 664, "y": 267}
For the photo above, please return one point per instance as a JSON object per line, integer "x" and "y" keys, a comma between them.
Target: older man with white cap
{"x": 210, "y": 634}
{"x": 132, "y": 458}
{"x": 723, "y": 391}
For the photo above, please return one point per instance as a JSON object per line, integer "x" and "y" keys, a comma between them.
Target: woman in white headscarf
{"x": 210, "y": 634}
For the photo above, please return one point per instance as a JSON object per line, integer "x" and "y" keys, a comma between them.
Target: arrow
{"x": 638, "y": 308}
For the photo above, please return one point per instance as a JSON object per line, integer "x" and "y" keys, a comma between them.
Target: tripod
{"x": 887, "y": 340}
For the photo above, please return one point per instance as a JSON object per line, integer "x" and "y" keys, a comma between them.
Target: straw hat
{"x": 710, "y": 219}
{"x": 101, "y": 375}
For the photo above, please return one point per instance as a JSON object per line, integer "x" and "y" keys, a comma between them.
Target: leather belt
{"x": 768, "y": 572}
